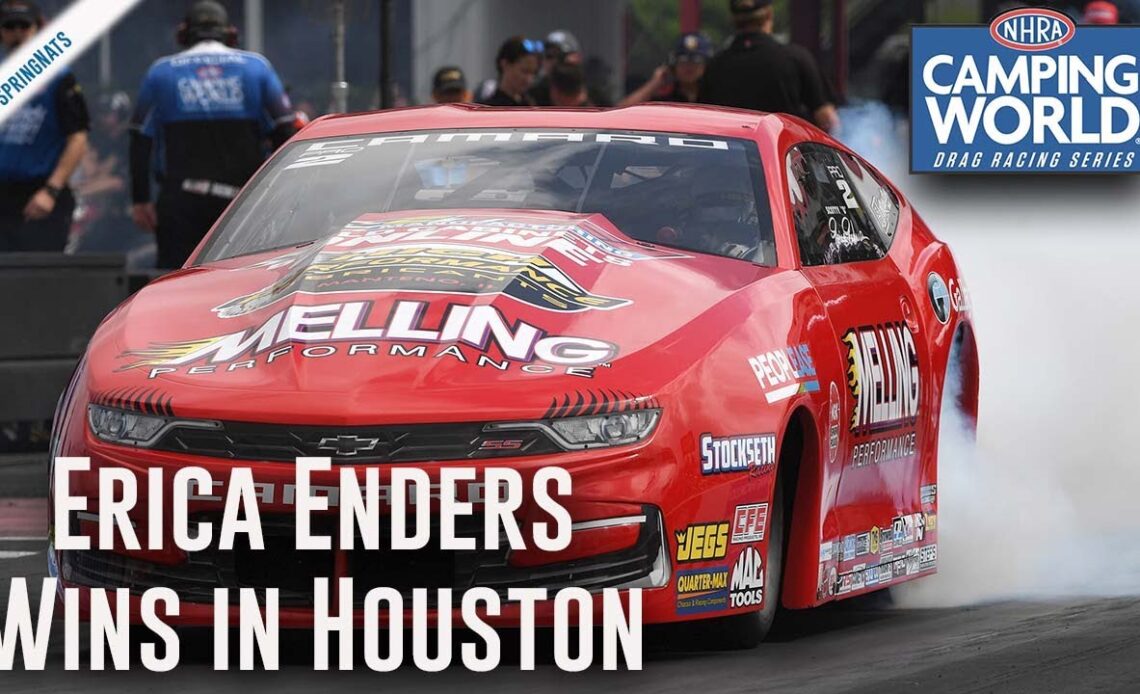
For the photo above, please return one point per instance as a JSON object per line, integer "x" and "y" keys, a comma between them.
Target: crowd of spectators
{"x": 751, "y": 70}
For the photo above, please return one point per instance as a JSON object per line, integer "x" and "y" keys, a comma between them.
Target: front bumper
{"x": 596, "y": 561}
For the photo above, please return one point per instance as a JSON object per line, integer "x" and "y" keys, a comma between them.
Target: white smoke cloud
{"x": 1046, "y": 503}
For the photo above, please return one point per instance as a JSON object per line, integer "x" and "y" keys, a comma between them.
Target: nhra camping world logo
{"x": 1031, "y": 93}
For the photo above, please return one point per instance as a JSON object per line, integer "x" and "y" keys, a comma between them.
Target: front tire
{"x": 745, "y": 631}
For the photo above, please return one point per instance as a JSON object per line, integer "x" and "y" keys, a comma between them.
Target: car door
{"x": 845, "y": 220}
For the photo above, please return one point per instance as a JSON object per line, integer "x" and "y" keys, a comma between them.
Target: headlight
{"x": 132, "y": 428}
{"x": 577, "y": 433}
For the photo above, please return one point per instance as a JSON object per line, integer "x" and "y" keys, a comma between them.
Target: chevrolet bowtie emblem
{"x": 345, "y": 446}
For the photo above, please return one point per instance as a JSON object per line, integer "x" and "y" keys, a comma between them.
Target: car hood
{"x": 419, "y": 317}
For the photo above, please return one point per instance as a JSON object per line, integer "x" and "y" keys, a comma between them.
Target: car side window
{"x": 842, "y": 212}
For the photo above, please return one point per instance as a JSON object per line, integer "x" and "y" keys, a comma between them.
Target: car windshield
{"x": 699, "y": 193}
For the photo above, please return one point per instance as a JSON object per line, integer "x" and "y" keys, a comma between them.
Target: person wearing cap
{"x": 758, "y": 72}
{"x": 560, "y": 48}
{"x": 449, "y": 86}
{"x": 1101, "y": 12}
{"x": 41, "y": 145}
{"x": 680, "y": 80}
{"x": 202, "y": 116}
{"x": 517, "y": 63}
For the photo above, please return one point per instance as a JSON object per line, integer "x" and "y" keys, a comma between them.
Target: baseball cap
{"x": 19, "y": 11}
{"x": 693, "y": 45}
{"x": 449, "y": 79}
{"x": 562, "y": 42}
{"x": 1101, "y": 12}
{"x": 739, "y": 7}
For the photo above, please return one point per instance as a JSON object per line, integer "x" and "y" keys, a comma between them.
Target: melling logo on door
{"x": 1031, "y": 93}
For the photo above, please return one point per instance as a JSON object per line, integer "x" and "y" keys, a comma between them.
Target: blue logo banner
{"x": 1031, "y": 93}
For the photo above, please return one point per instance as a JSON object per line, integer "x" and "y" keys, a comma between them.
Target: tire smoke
{"x": 1045, "y": 504}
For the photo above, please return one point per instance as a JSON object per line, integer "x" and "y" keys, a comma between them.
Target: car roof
{"x": 660, "y": 117}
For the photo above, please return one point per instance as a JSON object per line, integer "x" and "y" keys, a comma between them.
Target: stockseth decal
{"x": 785, "y": 372}
{"x": 755, "y": 453}
{"x": 702, "y": 542}
{"x": 749, "y": 523}
{"x": 319, "y": 332}
{"x": 747, "y": 588}
{"x": 702, "y": 590}
{"x": 1030, "y": 93}
{"x": 883, "y": 377}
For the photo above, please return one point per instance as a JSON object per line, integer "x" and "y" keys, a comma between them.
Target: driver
{"x": 722, "y": 217}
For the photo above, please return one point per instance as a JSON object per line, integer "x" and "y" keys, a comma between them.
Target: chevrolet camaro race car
{"x": 732, "y": 331}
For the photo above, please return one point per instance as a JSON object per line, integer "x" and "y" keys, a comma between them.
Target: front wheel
{"x": 743, "y": 631}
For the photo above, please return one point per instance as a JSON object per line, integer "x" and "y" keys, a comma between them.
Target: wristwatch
{"x": 53, "y": 191}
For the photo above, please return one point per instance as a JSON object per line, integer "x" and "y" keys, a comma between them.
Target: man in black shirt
{"x": 758, "y": 72}
{"x": 41, "y": 144}
{"x": 202, "y": 116}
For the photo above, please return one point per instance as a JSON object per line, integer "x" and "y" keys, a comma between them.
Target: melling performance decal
{"x": 883, "y": 377}
{"x": 1032, "y": 92}
{"x": 479, "y": 335}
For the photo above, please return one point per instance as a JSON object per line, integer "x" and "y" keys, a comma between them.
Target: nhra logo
{"x": 1029, "y": 93}
{"x": 1032, "y": 29}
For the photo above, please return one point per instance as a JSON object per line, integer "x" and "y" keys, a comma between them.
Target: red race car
{"x": 733, "y": 332}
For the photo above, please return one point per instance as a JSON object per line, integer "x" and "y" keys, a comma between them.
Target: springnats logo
{"x": 1030, "y": 93}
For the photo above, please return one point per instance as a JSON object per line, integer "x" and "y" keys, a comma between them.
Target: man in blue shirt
{"x": 203, "y": 116}
{"x": 40, "y": 147}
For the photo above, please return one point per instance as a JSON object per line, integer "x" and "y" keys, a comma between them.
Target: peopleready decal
{"x": 1030, "y": 93}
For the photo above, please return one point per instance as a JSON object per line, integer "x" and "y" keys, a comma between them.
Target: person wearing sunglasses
{"x": 559, "y": 48}
{"x": 517, "y": 63}
{"x": 680, "y": 80}
{"x": 41, "y": 145}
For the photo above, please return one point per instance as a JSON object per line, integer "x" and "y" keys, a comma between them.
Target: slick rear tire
{"x": 744, "y": 631}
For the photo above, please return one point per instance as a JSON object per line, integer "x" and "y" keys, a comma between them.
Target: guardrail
{"x": 50, "y": 305}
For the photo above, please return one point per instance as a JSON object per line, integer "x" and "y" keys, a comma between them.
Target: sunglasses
{"x": 16, "y": 26}
{"x": 532, "y": 46}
